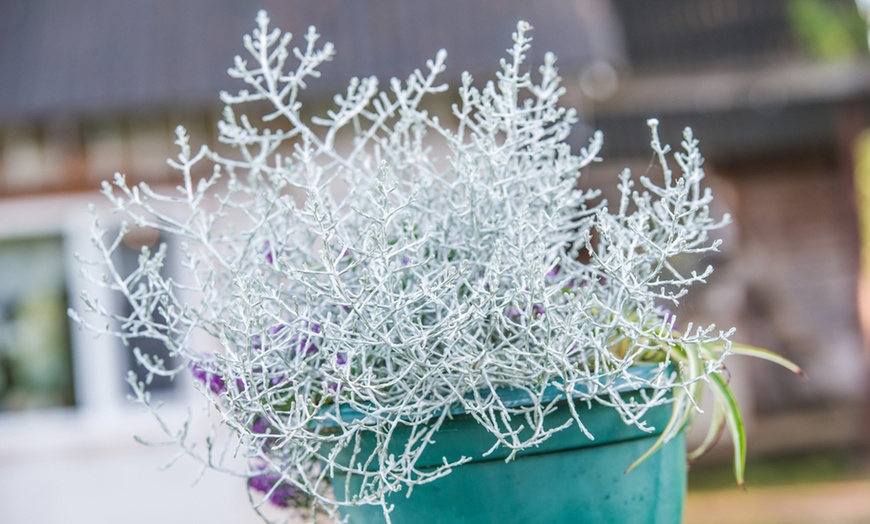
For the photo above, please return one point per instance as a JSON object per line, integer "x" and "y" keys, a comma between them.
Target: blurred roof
{"x": 751, "y": 77}
{"x": 690, "y": 34}
{"x": 96, "y": 56}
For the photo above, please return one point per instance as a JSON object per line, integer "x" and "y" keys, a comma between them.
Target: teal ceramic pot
{"x": 567, "y": 479}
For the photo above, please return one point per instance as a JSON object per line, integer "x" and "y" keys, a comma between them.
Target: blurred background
{"x": 777, "y": 91}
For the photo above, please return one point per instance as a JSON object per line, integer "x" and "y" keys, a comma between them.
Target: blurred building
{"x": 777, "y": 92}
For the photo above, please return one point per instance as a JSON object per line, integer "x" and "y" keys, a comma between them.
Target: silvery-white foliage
{"x": 422, "y": 266}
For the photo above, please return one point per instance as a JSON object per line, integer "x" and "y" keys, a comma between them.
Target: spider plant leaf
{"x": 728, "y": 404}
{"x": 770, "y": 356}
{"x": 692, "y": 374}
{"x": 714, "y": 433}
{"x": 685, "y": 399}
{"x": 671, "y": 429}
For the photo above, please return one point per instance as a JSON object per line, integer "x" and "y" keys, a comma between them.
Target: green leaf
{"x": 684, "y": 400}
{"x": 672, "y": 427}
{"x": 692, "y": 373}
{"x": 770, "y": 356}
{"x": 714, "y": 432}
{"x": 728, "y": 404}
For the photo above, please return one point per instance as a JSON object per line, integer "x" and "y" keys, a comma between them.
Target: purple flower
{"x": 280, "y": 379}
{"x": 283, "y": 495}
{"x": 280, "y": 493}
{"x": 208, "y": 378}
{"x": 277, "y": 328}
{"x": 267, "y": 248}
{"x": 257, "y": 340}
{"x": 515, "y": 313}
{"x": 263, "y": 482}
{"x": 307, "y": 346}
{"x": 216, "y": 384}
{"x": 260, "y": 426}
{"x": 198, "y": 373}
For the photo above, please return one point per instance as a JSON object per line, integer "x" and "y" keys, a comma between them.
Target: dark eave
{"x": 738, "y": 111}
{"x": 76, "y": 59}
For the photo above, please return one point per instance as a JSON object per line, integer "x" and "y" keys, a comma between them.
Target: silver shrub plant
{"x": 402, "y": 283}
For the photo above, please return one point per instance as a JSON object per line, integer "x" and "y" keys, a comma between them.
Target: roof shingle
{"x": 98, "y": 56}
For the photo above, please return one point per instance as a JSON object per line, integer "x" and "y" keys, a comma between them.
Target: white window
{"x": 81, "y": 449}
{"x": 35, "y": 361}
{"x": 45, "y": 360}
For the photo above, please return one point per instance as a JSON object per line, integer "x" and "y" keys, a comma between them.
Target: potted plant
{"x": 409, "y": 315}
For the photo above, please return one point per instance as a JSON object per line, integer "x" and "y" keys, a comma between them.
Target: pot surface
{"x": 568, "y": 479}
